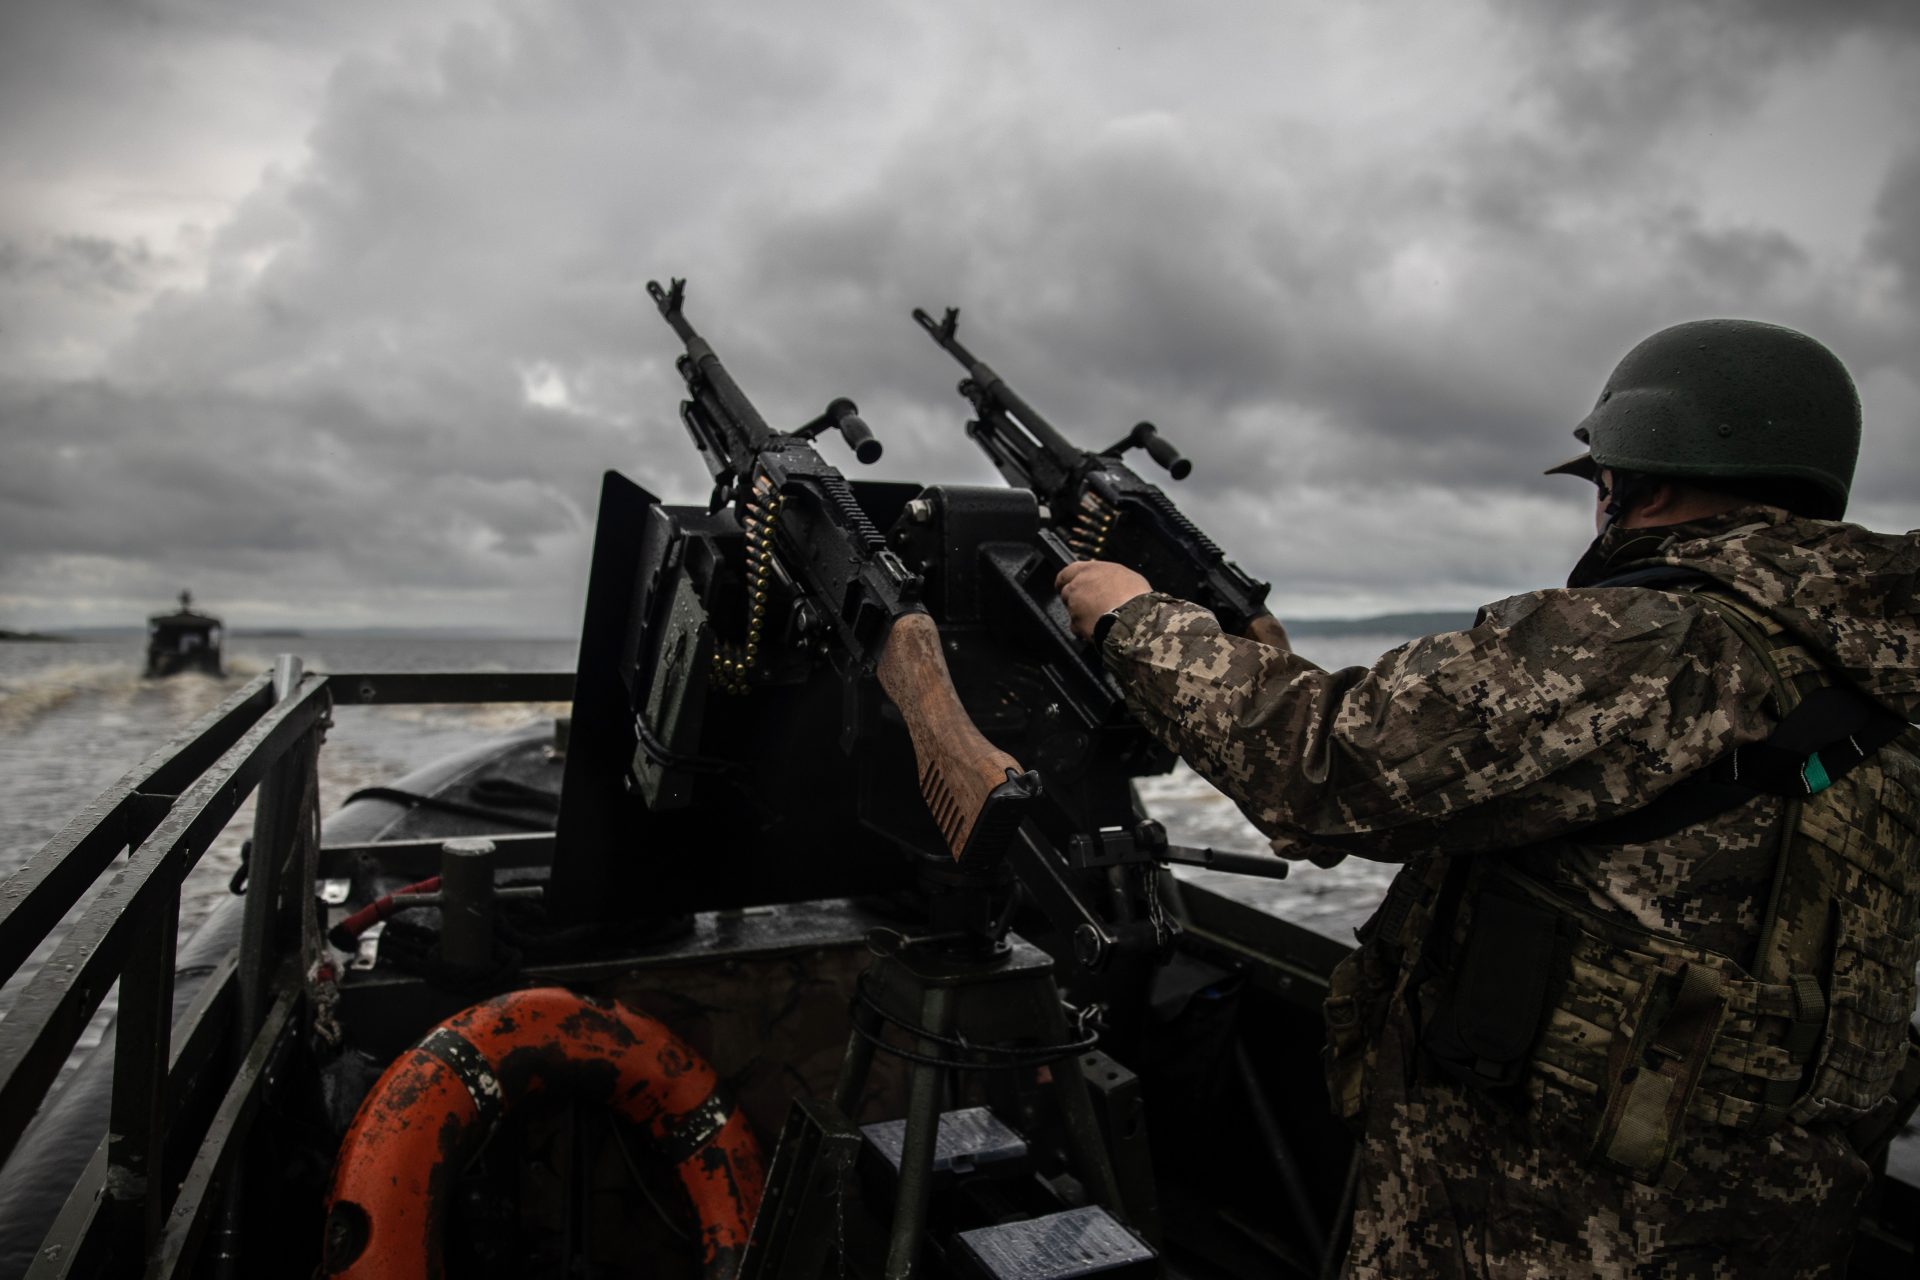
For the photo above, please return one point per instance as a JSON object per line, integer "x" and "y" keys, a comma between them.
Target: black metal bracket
{"x": 800, "y": 1214}
{"x": 1044, "y": 873}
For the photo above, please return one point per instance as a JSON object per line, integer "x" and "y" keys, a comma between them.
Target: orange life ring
{"x": 433, "y": 1108}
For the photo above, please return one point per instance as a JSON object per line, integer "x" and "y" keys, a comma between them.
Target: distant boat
{"x": 183, "y": 641}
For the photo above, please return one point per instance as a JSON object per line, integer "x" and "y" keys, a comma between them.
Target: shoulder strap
{"x": 1823, "y": 734}
{"x": 1659, "y": 575}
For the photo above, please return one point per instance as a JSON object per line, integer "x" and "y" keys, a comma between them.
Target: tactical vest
{"x": 1515, "y": 987}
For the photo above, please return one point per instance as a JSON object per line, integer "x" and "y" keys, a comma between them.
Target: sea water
{"x": 75, "y": 717}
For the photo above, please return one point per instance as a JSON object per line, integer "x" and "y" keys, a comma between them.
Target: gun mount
{"x": 736, "y": 663}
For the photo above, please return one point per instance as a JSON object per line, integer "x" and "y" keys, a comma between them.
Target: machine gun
{"x": 803, "y": 524}
{"x": 735, "y": 646}
{"x": 1113, "y": 513}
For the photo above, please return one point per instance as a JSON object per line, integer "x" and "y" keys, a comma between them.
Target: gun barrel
{"x": 994, "y": 390}
{"x": 701, "y": 365}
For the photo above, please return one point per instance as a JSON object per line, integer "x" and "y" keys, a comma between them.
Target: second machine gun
{"x": 1106, "y": 510}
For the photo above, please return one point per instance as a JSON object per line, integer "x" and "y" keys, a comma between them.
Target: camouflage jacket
{"x": 1556, "y": 710}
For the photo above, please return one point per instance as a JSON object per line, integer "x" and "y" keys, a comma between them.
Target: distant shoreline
{"x": 40, "y": 636}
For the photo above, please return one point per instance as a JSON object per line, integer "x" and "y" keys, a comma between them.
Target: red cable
{"x": 346, "y": 934}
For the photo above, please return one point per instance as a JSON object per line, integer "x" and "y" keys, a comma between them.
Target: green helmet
{"x": 1733, "y": 399}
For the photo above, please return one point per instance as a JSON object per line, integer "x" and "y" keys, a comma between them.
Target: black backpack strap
{"x": 1659, "y": 575}
{"x": 1830, "y": 732}
{"x": 1821, "y": 738}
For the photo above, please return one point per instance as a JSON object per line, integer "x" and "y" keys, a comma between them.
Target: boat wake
{"x": 114, "y": 687}
{"x": 26, "y": 697}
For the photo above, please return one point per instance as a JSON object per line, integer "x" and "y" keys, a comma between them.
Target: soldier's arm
{"x": 1557, "y": 709}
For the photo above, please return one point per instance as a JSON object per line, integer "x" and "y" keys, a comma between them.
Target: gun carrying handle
{"x": 1161, "y": 450}
{"x": 859, "y": 436}
{"x": 959, "y": 768}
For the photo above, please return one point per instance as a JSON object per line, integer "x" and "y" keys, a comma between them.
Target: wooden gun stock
{"x": 960, "y": 771}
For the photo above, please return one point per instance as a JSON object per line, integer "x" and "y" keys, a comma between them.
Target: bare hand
{"x": 1090, "y": 588}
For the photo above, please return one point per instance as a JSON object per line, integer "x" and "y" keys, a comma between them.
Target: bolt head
{"x": 1088, "y": 947}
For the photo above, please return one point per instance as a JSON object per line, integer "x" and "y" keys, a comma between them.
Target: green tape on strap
{"x": 1814, "y": 774}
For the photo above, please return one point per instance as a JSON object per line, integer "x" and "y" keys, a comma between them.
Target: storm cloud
{"x": 337, "y": 314}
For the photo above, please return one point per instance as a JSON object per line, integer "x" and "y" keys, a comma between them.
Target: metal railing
{"x": 130, "y": 1214}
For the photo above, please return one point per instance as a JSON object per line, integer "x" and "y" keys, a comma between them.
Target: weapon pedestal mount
{"x": 968, "y": 1000}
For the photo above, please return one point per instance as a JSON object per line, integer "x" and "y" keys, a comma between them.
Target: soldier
{"x": 1637, "y": 1002}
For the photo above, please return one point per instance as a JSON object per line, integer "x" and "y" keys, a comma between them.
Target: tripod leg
{"x": 1085, "y": 1147}
{"x": 853, "y": 1073}
{"x": 924, "y": 1089}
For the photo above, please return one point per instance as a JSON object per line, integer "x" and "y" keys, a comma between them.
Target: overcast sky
{"x": 336, "y": 312}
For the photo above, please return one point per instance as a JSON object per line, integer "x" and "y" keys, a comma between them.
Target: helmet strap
{"x": 1625, "y": 493}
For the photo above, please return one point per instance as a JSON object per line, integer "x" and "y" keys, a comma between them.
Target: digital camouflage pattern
{"x": 1558, "y": 709}
{"x": 1452, "y": 1185}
